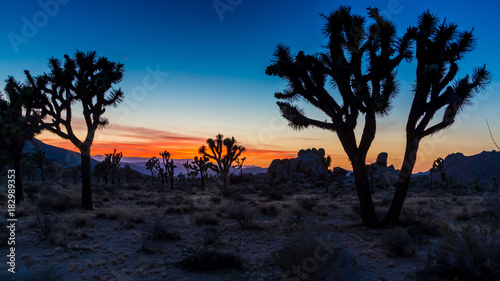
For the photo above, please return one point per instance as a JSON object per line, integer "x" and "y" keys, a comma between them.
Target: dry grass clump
{"x": 308, "y": 203}
{"x": 211, "y": 235}
{"x": 309, "y": 257}
{"x": 271, "y": 210}
{"x": 473, "y": 253}
{"x": 205, "y": 218}
{"x": 399, "y": 242}
{"x": 244, "y": 215}
{"x": 81, "y": 221}
{"x": 125, "y": 218}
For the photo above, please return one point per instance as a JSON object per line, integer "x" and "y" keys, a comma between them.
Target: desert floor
{"x": 141, "y": 231}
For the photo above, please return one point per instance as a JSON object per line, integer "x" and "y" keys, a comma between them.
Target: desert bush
{"x": 215, "y": 199}
{"x": 205, "y": 218}
{"x": 211, "y": 235}
{"x": 38, "y": 273}
{"x": 399, "y": 242}
{"x": 125, "y": 218}
{"x": 269, "y": 210}
{"x": 273, "y": 194}
{"x": 208, "y": 260}
{"x": 308, "y": 203}
{"x": 244, "y": 215}
{"x": 473, "y": 253}
{"x": 81, "y": 221}
{"x": 309, "y": 257}
{"x": 162, "y": 232}
{"x": 57, "y": 203}
{"x": 45, "y": 226}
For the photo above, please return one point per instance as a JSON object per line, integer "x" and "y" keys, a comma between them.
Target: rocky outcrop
{"x": 481, "y": 168}
{"x": 309, "y": 163}
{"x": 382, "y": 159}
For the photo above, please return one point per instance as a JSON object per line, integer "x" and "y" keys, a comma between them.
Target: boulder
{"x": 382, "y": 159}
{"x": 339, "y": 172}
{"x": 308, "y": 164}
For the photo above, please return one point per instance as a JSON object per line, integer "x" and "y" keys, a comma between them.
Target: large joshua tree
{"x": 19, "y": 122}
{"x": 223, "y": 159}
{"x": 439, "y": 47}
{"x": 87, "y": 79}
{"x": 360, "y": 61}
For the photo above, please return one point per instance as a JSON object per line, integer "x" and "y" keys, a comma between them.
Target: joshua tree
{"x": 200, "y": 165}
{"x": 437, "y": 166}
{"x": 223, "y": 161}
{"x": 360, "y": 61}
{"x": 169, "y": 167}
{"x": 151, "y": 165}
{"x": 187, "y": 166}
{"x": 29, "y": 168}
{"x": 127, "y": 172}
{"x": 239, "y": 165}
{"x": 115, "y": 163}
{"x": 103, "y": 169}
{"x": 38, "y": 158}
{"x": 19, "y": 122}
{"x": 439, "y": 47}
{"x": 87, "y": 79}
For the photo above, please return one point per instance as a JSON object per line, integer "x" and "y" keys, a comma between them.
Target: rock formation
{"x": 310, "y": 163}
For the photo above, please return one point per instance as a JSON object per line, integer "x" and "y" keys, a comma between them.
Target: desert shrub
{"x": 309, "y": 257}
{"x": 243, "y": 215}
{"x": 208, "y": 260}
{"x": 147, "y": 244}
{"x": 38, "y": 273}
{"x": 269, "y": 210}
{"x": 162, "y": 232}
{"x": 473, "y": 253}
{"x": 422, "y": 229}
{"x": 45, "y": 226}
{"x": 81, "y": 220}
{"x": 308, "y": 203}
{"x": 399, "y": 242}
{"x": 125, "y": 218}
{"x": 205, "y": 218}
{"x": 215, "y": 199}
{"x": 211, "y": 235}
{"x": 273, "y": 194}
{"x": 57, "y": 203}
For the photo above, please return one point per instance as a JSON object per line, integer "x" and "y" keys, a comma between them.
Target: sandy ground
{"x": 116, "y": 242}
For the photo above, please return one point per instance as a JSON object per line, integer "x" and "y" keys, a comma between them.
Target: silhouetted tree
{"x": 115, "y": 163}
{"x": 19, "y": 122}
{"x": 200, "y": 165}
{"x": 103, "y": 169}
{"x": 169, "y": 167}
{"x": 223, "y": 160}
{"x": 187, "y": 166}
{"x": 437, "y": 166}
{"x": 239, "y": 165}
{"x": 38, "y": 158}
{"x": 439, "y": 47}
{"x": 87, "y": 79}
{"x": 29, "y": 168}
{"x": 151, "y": 165}
{"x": 127, "y": 172}
{"x": 360, "y": 62}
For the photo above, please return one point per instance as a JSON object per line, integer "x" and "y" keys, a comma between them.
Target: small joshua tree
{"x": 200, "y": 165}
{"x": 239, "y": 165}
{"x": 38, "y": 158}
{"x": 102, "y": 170}
{"x": 437, "y": 166}
{"x": 188, "y": 167}
{"x": 214, "y": 151}
{"x": 115, "y": 162}
{"x": 151, "y": 166}
{"x": 169, "y": 167}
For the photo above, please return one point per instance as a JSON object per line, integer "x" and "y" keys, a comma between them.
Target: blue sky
{"x": 216, "y": 60}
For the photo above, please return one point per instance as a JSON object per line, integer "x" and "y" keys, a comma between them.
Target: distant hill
{"x": 66, "y": 157}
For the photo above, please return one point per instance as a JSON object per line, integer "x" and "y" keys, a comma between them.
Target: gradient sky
{"x": 210, "y": 72}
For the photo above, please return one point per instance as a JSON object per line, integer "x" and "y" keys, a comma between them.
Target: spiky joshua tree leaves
{"x": 87, "y": 79}
{"x": 224, "y": 151}
{"x": 19, "y": 122}
{"x": 168, "y": 163}
{"x": 114, "y": 159}
{"x": 439, "y": 47}
{"x": 360, "y": 61}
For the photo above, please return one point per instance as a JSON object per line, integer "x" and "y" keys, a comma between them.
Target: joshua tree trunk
{"x": 86, "y": 180}
{"x": 404, "y": 181}
{"x": 367, "y": 208}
